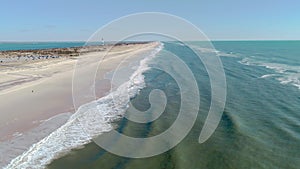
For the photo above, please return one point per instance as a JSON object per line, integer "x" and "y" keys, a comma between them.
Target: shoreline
{"x": 51, "y": 95}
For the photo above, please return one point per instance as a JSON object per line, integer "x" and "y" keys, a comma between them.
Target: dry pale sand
{"x": 36, "y": 97}
{"x": 32, "y": 92}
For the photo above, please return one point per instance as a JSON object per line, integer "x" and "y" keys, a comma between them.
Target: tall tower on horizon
{"x": 102, "y": 41}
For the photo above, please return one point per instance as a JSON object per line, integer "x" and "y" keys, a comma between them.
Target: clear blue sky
{"x": 67, "y": 20}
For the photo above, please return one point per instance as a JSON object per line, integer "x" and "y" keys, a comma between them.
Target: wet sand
{"x": 31, "y": 92}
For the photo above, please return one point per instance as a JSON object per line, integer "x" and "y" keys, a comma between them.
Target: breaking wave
{"x": 285, "y": 74}
{"x": 89, "y": 121}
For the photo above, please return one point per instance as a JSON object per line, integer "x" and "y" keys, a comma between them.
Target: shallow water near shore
{"x": 259, "y": 127}
{"x": 53, "y": 90}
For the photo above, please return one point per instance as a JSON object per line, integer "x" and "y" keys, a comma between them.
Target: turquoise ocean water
{"x": 260, "y": 126}
{"x": 37, "y": 45}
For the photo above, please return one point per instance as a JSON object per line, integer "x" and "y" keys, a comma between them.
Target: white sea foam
{"x": 12, "y": 148}
{"x": 214, "y": 51}
{"x": 246, "y": 61}
{"x": 205, "y": 49}
{"x": 293, "y": 79}
{"x": 229, "y": 54}
{"x": 267, "y": 75}
{"x": 285, "y": 74}
{"x": 89, "y": 121}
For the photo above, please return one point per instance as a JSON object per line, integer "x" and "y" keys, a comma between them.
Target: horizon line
{"x": 20, "y": 41}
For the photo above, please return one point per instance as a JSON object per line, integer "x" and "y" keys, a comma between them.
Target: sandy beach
{"x": 35, "y": 90}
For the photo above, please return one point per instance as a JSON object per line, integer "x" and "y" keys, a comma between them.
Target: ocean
{"x": 259, "y": 128}
{"x": 4, "y": 46}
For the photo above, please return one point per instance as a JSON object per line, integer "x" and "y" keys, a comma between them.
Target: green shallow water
{"x": 260, "y": 127}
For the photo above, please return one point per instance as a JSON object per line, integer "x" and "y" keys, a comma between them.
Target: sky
{"x": 72, "y": 20}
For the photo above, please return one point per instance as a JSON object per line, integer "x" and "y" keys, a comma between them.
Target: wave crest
{"x": 90, "y": 120}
